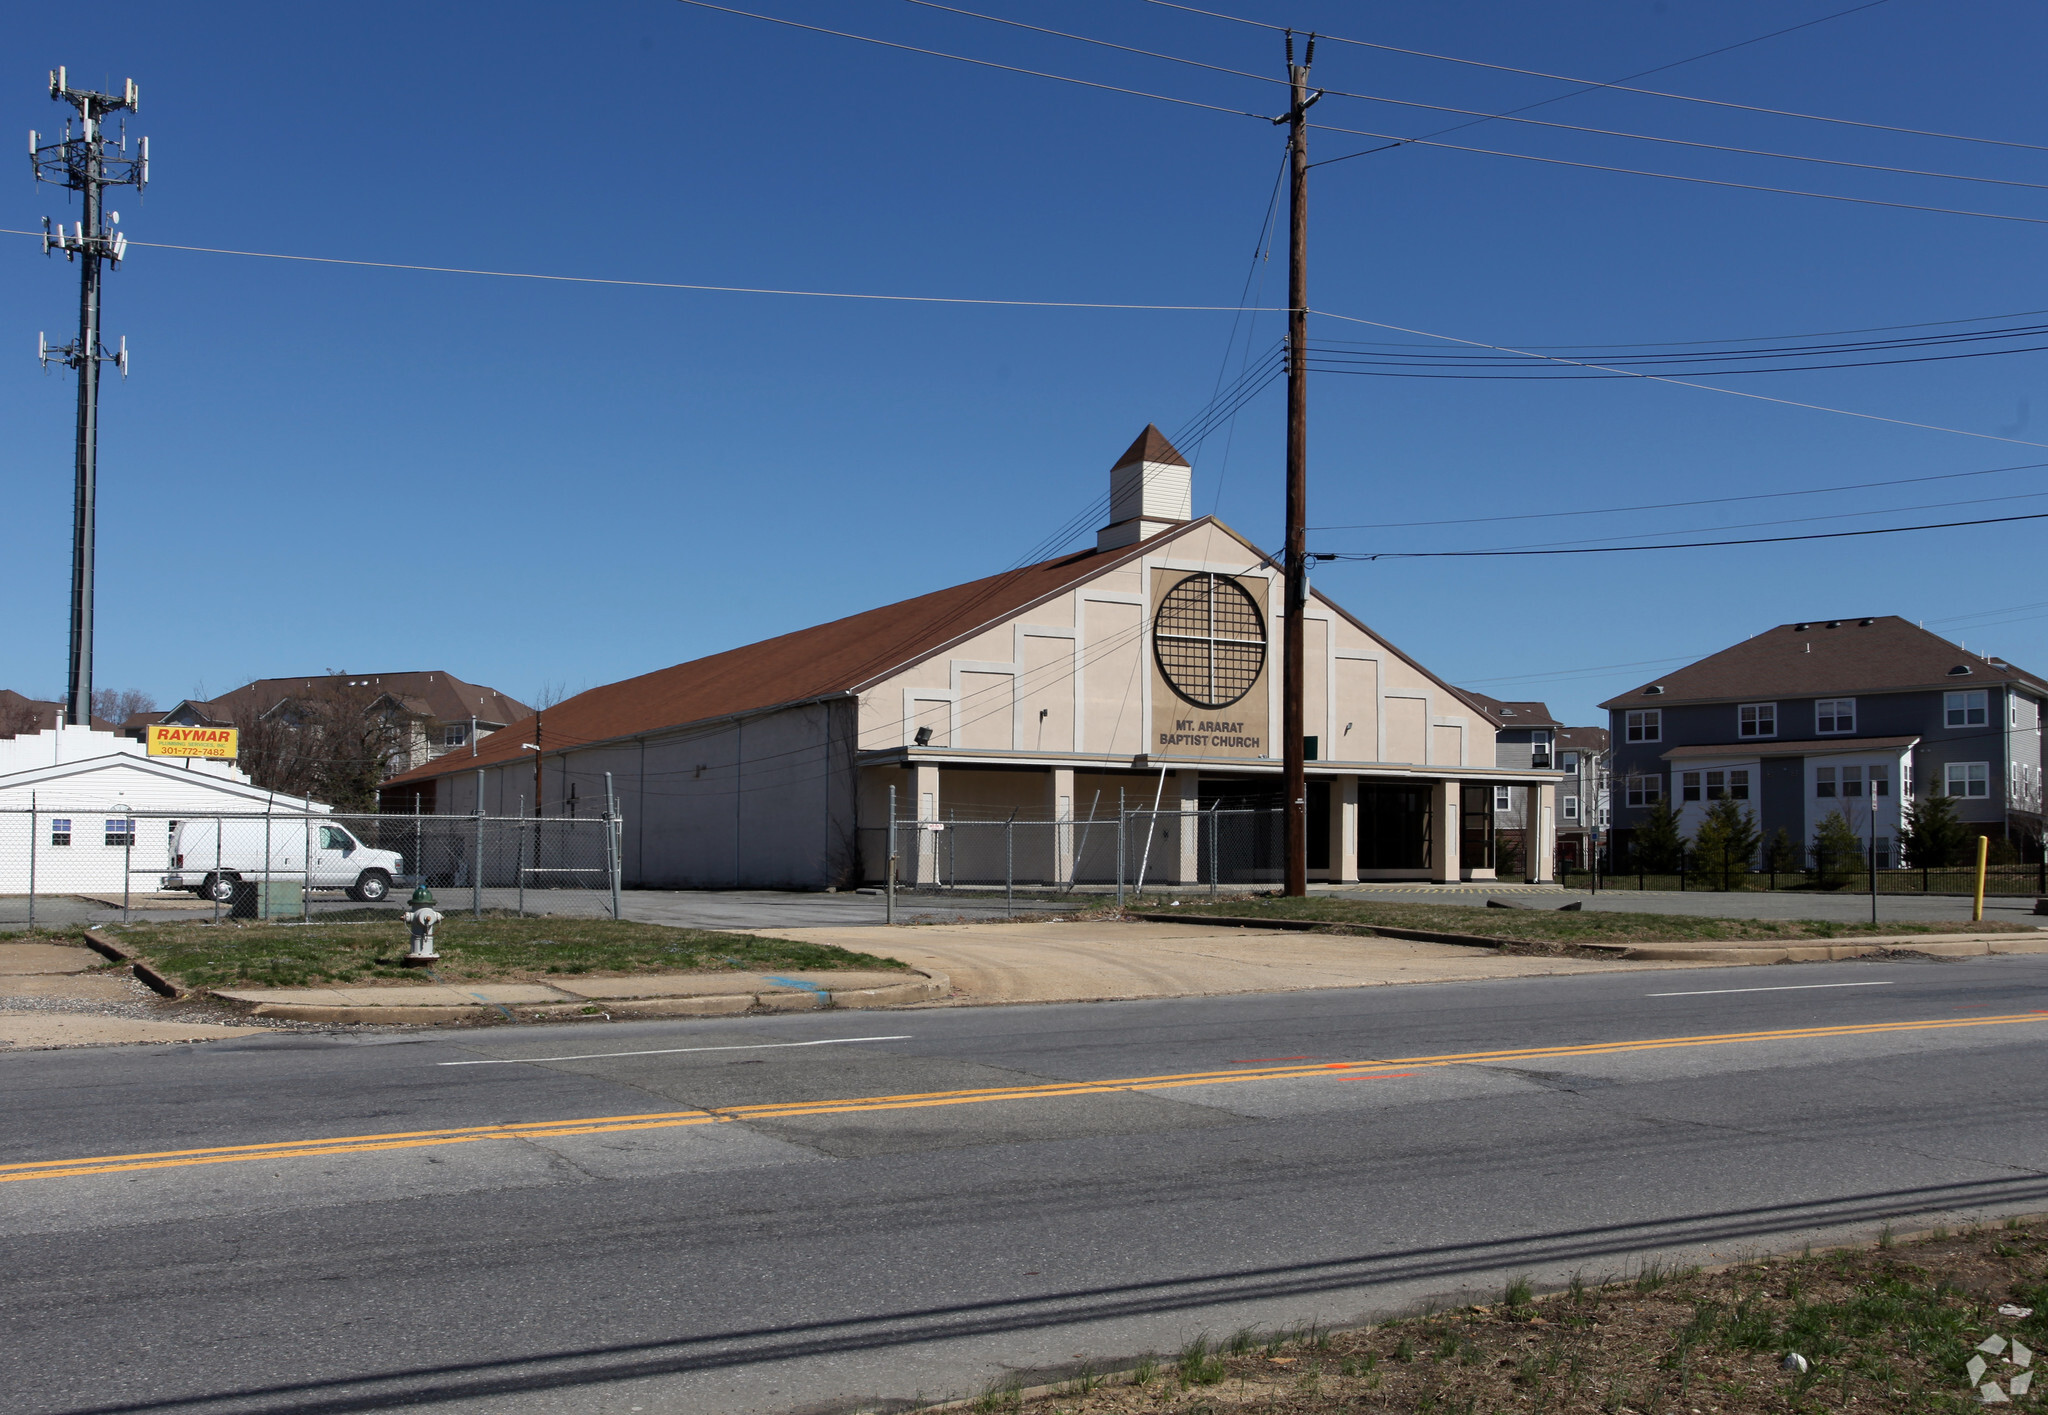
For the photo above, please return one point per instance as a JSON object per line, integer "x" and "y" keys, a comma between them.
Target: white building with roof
{"x": 80, "y": 809}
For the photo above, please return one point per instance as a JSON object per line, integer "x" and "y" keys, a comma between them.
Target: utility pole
{"x": 538, "y": 742}
{"x": 88, "y": 164}
{"x": 1294, "y": 665}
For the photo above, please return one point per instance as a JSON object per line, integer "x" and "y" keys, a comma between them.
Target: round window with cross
{"x": 1209, "y": 640}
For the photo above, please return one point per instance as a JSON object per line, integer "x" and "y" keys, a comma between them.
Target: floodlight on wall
{"x": 924, "y": 737}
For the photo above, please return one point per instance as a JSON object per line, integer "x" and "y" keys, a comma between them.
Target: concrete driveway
{"x": 1086, "y": 962}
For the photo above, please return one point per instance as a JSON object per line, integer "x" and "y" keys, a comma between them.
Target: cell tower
{"x": 88, "y": 163}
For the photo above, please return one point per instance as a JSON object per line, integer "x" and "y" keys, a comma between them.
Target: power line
{"x": 1482, "y": 115}
{"x": 1397, "y": 140}
{"x": 671, "y": 284}
{"x": 1682, "y": 383}
{"x": 1786, "y": 521}
{"x": 983, "y": 63}
{"x": 1621, "y": 85}
{"x": 1678, "y": 505}
{"x": 1361, "y": 366}
{"x": 1509, "y": 117}
{"x": 1678, "y": 545}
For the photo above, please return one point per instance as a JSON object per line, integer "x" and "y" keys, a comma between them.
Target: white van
{"x": 208, "y": 857}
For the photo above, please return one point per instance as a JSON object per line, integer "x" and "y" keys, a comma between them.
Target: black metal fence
{"x": 1851, "y": 872}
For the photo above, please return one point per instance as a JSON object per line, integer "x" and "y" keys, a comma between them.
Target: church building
{"x": 1144, "y": 670}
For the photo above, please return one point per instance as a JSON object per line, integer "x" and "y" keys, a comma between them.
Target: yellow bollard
{"x": 1983, "y": 854}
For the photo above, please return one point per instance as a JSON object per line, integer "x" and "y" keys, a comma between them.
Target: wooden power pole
{"x": 1294, "y": 666}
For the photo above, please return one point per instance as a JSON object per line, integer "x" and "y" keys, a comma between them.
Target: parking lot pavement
{"x": 780, "y": 909}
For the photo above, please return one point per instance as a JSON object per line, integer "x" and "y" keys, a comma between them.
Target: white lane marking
{"x": 1789, "y": 987}
{"x": 668, "y": 1051}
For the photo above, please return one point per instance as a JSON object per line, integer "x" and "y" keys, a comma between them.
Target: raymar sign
{"x": 170, "y": 741}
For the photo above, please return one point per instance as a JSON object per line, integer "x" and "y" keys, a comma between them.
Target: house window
{"x": 1645, "y": 790}
{"x": 1968, "y": 709}
{"x": 1689, "y": 785}
{"x": 1736, "y": 788}
{"x": 1539, "y": 751}
{"x": 1834, "y": 715}
{"x": 454, "y": 734}
{"x": 1646, "y": 725}
{"x": 1756, "y": 720}
{"x": 1568, "y": 761}
{"x": 1500, "y": 798}
{"x": 1852, "y": 781}
{"x": 1880, "y": 780}
{"x": 60, "y": 831}
{"x": 121, "y": 833}
{"x": 1968, "y": 778}
{"x": 1569, "y": 805}
{"x": 1823, "y": 781}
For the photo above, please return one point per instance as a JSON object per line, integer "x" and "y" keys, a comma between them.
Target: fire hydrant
{"x": 421, "y": 917}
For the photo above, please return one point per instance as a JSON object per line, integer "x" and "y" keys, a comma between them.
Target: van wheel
{"x": 219, "y": 888}
{"x": 371, "y": 886}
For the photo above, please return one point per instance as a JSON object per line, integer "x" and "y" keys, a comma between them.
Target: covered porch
{"x": 963, "y": 817}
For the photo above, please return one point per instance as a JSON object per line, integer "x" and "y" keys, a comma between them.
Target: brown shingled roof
{"x": 1822, "y": 656}
{"x": 434, "y": 694}
{"x": 1507, "y": 714}
{"x": 1152, "y": 446}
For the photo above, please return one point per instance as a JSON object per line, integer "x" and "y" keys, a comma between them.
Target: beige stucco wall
{"x": 1072, "y": 675}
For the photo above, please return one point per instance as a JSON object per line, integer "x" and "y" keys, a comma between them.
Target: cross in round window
{"x": 1209, "y": 640}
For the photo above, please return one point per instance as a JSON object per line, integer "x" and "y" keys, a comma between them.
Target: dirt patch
{"x": 1551, "y": 925}
{"x": 1889, "y": 1330}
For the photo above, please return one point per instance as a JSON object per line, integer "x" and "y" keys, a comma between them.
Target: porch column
{"x": 1446, "y": 828}
{"x": 1540, "y": 834}
{"x": 1344, "y": 830}
{"x": 1189, "y": 826}
{"x": 924, "y": 804}
{"x": 1062, "y": 804}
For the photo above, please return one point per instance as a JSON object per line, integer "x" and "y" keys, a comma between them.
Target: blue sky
{"x": 320, "y": 467}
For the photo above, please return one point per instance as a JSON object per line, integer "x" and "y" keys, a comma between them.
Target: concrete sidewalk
{"x": 53, "y": 995}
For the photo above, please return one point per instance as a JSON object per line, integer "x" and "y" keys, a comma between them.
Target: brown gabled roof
{"x": 1152, "y": 446}
{"x": 1819, "y": 748}
{"x": 1817, "y": 657}
{"x": 822, "y": 661}
{"x": 1582, "y": 739}
{"x": 434, "y": 694}
{"x": 1509, "y": 714}
{"x": 20, "y": 713}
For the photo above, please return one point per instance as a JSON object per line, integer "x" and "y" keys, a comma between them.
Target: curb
{"x": 1232, "y": 921}
{"x": 121, "y": 953}
{"x": 928, "y": 987}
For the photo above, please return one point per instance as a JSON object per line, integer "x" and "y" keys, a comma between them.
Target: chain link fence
{"x": 1210, "y": 850}
{"x": 67, "y": 866}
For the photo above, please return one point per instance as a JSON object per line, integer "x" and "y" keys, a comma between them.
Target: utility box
{"x": 268, "y": 899}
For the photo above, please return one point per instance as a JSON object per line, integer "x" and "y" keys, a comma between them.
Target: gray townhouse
{"x": 1851, "y": 715}
{"x": 1584, "y": 806}
{"x": 1527, "y": 736}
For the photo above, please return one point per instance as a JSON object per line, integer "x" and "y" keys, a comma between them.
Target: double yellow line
{"x": 1383, "y": 1068}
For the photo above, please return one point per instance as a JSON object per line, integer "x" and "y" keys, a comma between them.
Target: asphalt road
{"x": 777, "y": 1225}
